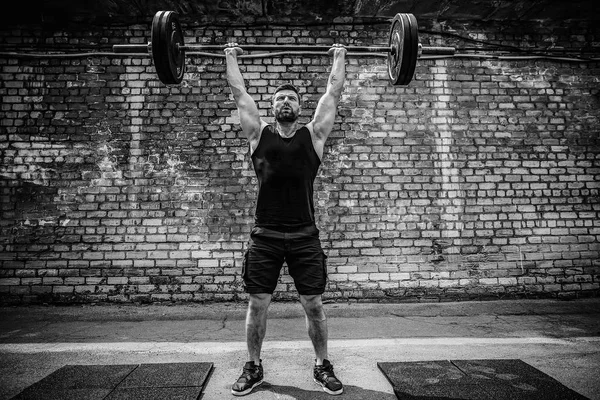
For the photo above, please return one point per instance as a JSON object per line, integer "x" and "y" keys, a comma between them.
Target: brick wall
{"x": 478, "y": 180}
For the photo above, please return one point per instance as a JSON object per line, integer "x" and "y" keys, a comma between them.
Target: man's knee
{"x": 259, "y": 303}
{"x": 313, "y": 307}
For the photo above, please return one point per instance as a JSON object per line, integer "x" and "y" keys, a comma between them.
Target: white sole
{"x": 327, "y": 390}
{"x": 247, "y": 391}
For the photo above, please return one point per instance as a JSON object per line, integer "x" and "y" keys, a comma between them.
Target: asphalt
{"x": 559, "y": 338}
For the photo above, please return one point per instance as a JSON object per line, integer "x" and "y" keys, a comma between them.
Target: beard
{"x": 286, "y": 116}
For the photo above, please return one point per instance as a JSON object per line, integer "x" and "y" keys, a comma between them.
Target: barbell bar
{"x": 168, "y": 49}
{"x": 144, "y": 48}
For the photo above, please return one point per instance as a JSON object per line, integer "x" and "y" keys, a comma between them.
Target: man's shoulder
{"x": 309, "y": 127}
{"x": 265, "y": 126}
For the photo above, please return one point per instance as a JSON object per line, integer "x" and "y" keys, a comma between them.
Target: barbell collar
{"x": 133, "y": 48}
{"x": 438, "y": 51}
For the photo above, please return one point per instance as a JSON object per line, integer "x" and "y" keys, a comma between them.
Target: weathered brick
{"x": 10, "y": 281}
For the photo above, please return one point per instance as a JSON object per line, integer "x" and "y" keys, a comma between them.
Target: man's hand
{"x": 337, "y": 49}
{"x": 233, "y": 48}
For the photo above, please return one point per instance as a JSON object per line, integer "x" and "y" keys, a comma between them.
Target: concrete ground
{"x": 560, "y": 338}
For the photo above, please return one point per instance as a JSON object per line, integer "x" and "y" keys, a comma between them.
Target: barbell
{"x": 168, "y": 48}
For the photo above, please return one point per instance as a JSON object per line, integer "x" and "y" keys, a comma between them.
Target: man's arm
{"x": 322, "y": 123}
{"x": 250, "y": 120}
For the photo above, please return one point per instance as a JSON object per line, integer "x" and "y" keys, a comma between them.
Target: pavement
{"x": 559, "y": 338}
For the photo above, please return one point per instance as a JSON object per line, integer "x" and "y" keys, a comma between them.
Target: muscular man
{"x": 286, "y": 158}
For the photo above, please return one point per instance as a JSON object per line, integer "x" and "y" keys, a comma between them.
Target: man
{"x": 286, "y": 157}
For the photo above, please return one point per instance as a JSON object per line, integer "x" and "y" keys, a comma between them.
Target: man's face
{"x": 286, "y": 106}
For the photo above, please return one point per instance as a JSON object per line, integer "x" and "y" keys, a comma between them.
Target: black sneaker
{"x": 250, "y": 378}
{"x": 325, "y": 377}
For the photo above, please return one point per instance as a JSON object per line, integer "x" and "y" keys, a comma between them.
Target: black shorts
{"x": 302, "y": 251}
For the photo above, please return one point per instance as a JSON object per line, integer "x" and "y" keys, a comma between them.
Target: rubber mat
{"x": 183, "y": 381}
{"x": 473, "y": 380}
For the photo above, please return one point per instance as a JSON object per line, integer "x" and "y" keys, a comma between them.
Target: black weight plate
{"x": 173, "y": 36}
{"x": 411, "y": 58}
{"x": 169, "y": 60}
{"x": 403, "y": 77}
{"x": 396, "y": 41}
{"x": 158, "y": 52}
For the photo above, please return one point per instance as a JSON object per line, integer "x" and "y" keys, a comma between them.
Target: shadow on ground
{"x": 350, "y": 393}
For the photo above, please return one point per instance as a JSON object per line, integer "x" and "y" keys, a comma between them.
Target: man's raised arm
{"x": 249, "y": 117}
{"x": 324, "y": 117}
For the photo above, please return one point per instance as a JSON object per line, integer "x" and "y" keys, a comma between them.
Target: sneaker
{"x": 250, "y": 378}
{"x": 325, "y": 377}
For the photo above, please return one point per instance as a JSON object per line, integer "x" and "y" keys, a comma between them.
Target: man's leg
{"x": 317, "y": 330}
{"x": 316, "y": 322}
{"x": 256, "y": 324}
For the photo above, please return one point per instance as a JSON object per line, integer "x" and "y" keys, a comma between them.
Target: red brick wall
{"x": 478, "y": 180}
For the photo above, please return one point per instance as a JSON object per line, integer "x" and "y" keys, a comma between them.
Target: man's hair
{"x": 286, "y": 86}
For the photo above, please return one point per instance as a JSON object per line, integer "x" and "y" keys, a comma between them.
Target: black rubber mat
{"x": 473, "y": 380}
{"x": 183, "y": 381}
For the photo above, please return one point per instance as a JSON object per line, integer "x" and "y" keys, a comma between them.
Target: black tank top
{"x": 286, "y": 170}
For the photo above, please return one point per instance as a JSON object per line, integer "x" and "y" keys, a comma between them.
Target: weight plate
{"x": 174, "y": 36}
{"x": 158, "y": 55}
{"x": 412, "y": 58}
{"x": 406, "y": 51}
{"x": 169, "y": 59}
{"x": 396, "y": 42}
{"x": 404, "y": 40}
